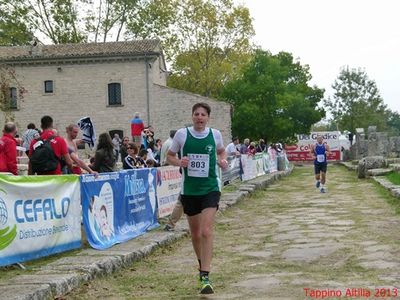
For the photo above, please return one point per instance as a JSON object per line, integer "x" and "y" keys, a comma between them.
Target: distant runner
{"x": 320, "y": 151}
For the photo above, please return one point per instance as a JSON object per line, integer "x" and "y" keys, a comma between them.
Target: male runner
{"x": 201, "y": 151}
{"x": 320, "y": 151}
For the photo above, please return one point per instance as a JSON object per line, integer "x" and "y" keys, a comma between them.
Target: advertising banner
{"x": 39, "y": 216}
{"x": 118, "y": 206}
{"x": 301, "y": 150}
{"x": 233, "y": 170}
{"x": 272, "y": 161}
{"x": 252, "y": 166}
{"x": 168, "y": 189}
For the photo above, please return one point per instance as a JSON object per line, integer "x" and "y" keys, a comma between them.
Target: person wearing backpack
{"x": 45, "y": 153}
{"x": 8, "y": 149}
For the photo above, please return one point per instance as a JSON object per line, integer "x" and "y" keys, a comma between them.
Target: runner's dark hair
{"x": 203, "y": 105}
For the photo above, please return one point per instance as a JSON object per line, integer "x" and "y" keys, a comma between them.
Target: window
{"x": 114, "y": 94}
{"x": 13, "y": 98}
{"x": 48, "y": 86}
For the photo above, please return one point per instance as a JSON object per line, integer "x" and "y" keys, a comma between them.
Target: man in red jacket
{"x": 8, "y": 149}
{"x": 137, "y": 127}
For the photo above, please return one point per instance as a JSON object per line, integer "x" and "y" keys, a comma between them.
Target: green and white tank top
{"x": 201, "y": 175}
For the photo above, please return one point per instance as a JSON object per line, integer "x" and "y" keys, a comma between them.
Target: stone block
{"x": 378, "y": 172}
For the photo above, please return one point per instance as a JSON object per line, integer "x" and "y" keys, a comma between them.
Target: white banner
{"x": 168, "y": 189}
{"x": 39, "y": 216}
{"x": 301, "y": 150}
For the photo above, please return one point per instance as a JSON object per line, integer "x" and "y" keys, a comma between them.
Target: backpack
{"x": 43, "y": 158}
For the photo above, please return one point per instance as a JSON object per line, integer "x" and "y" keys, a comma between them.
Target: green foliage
{"x": 210, "y": 43}
{"x": 58, "y": 20}
{"x": 393, "y": 122}
{"x": 272, "y": 98}
{"x": 13, "y": 32}
{"x": 356, "y": 102}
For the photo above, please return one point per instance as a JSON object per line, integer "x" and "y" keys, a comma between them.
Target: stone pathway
{"x": 287, "y": 242}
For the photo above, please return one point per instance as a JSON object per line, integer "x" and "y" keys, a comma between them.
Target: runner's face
{"x": 200, "y": 118}
{"x": 319, "y": 140}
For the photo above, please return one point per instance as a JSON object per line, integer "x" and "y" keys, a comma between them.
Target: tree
{"x": 393, "y": 122}
{"x": 9, "y": 82}
{"x": 57, "y": 20}
{"x": 210, "y": 41}
{"x": 356, "y": 101}
{"x": 272, "y": 98}
{"x": 12, "y": 31}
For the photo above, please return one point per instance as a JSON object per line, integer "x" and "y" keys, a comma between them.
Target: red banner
{"x": 306, "y": 155}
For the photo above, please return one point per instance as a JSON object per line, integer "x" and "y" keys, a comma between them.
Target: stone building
{"x": 108, "y": 82}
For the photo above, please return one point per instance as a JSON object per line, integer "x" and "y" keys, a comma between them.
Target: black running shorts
{"x": 320, "y": 167}
{"x": 193, "y": 205}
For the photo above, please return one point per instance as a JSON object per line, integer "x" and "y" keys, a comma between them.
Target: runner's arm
{"x": 312, "y": 151}
{"x": 328, "y": 150}
{"x": 222, "y": 162}
{"x": 175, "y": 161}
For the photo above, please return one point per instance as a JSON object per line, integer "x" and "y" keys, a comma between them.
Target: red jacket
{"x": 137, "y": 127}
{"x": 8, "y": 154}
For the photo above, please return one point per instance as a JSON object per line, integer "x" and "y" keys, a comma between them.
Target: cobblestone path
{"x": 286, "y": 242}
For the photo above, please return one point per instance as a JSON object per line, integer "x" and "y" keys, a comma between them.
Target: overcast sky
{"x": 329, "y": 34}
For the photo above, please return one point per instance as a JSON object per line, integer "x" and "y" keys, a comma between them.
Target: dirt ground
{"x": 286, "y": 242}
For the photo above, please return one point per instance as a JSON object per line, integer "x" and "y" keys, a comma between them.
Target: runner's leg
{"x": 207, "y": 237}
{"x": 195, "y": 232}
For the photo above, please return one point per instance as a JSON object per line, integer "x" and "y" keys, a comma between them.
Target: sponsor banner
{"x": 272, "y": 161}
{"x": 301, "y": 150}
{"x": 169, "y": 181}
{"x": 118, "y": 206}
{"x": 39, "y": 216}
{"x": 252, "y": 166}
{"x": 233, "y": 170}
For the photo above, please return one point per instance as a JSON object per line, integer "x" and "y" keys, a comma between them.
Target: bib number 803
{"x": 197, "y": 164}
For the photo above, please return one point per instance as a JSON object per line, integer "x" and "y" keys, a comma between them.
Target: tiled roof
{"x": 129, "y": 48}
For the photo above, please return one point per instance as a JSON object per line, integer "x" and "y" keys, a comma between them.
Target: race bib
{"x": 199, "y": 165}
{"x": 321, "y": 158}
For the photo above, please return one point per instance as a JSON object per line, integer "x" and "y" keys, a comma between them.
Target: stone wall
{"x": 375, "y": 144}
{"x": 174, "y": 107}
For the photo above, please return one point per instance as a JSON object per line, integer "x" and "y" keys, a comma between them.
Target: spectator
{"x": 8, "y": 149}
{"x": 165, "y": 148}
{"x": 231, "y": 149}
{"x": 58, "y": 145}
{"x": 117, "y": 144}
{"x": 136, "y": 129}
{"x": 148, "y": 138}
{"x": 72, "y": 131}
{"x": 141, "y": 159}
{"x": 251, "y": 150}
{"x": 244, "y": 146}
{"x": 130, "y": 160}
{"x": 104, "y": 159}
{"x": 262, "y": 146}
{"x": 124, "y": 147}
{"x": 29, "y": 135}
{"x": 157, "y": 150}
{"x": 150, "y": 163}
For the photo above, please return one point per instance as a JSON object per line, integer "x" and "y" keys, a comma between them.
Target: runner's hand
{"x": 223, "y": 163}
{"x": 184, "y": 162}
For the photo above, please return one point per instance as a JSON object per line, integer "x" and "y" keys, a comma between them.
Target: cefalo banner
{"x": 301, "y": 150}
{"x": 118, "y": 206}
{"x": 39, "y": 216}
